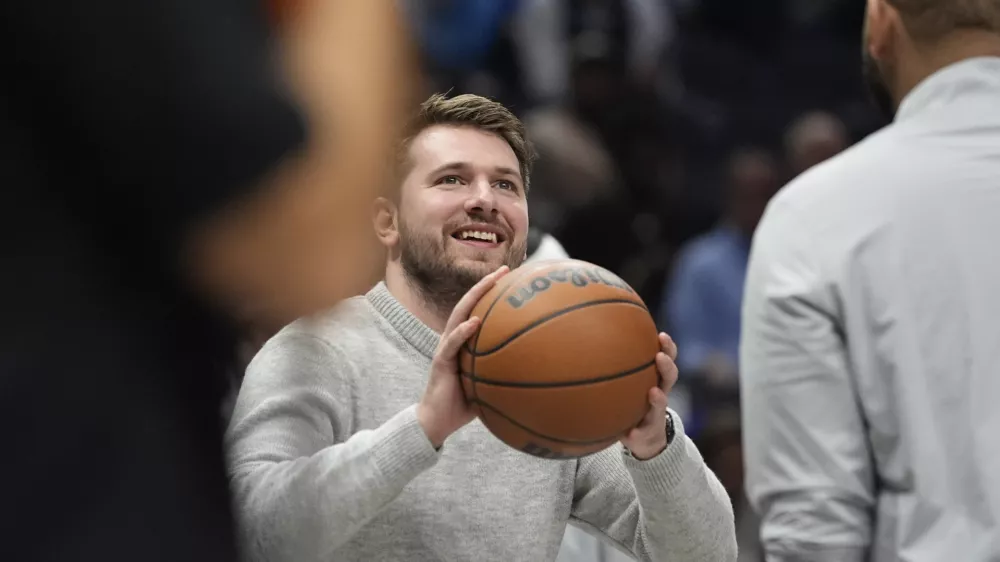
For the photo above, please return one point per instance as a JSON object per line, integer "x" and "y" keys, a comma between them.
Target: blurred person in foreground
{"x": 169, "y": 169}
{"x": 704, "y": 294}
{"x": 870, "y": 341}
{"x": 813, "y": 139}
{"x": 352, "y": 439}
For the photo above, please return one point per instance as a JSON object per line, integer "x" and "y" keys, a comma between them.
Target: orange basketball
{"x": 563, "y": 361}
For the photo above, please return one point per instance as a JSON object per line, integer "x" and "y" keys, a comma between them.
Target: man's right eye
{"x": 451, "y": 180}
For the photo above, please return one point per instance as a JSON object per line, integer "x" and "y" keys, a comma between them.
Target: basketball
{"x": 563, "y": 360}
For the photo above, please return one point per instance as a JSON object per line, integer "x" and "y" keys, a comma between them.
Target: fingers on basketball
{"x": 453, "y": 341}
{"x": 668, "y": 371}
{"x": 668, "y": 345}
{"x": 653, "y": 417}
{"x": 657, "y": 402}
{"x": 564, "y": 360}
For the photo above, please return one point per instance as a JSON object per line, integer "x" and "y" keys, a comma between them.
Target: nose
{"x": 482, "y": 199}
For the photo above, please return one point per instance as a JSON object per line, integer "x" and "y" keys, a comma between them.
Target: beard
{"x": 439, "y": 276}
{"x": 877, "y": 86}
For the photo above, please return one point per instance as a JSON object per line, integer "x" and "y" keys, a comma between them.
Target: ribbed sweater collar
{"x": 415, "y": 332}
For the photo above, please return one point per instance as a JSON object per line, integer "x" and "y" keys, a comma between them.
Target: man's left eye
{"x": 506, "y": 185}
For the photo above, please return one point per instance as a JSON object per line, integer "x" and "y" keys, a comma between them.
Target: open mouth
{"x": 479, "y": 236}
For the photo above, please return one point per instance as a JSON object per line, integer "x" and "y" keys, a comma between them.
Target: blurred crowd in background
{"x": 663, "y": 129}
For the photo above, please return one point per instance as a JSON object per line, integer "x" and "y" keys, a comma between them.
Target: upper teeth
{"x": 479, "y": 235}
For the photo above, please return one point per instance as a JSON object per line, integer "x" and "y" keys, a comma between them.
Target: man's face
{"x": 878, "y": 73}
{"x": 462, "y": 211}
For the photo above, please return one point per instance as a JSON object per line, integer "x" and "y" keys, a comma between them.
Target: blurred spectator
{"x": 630, "y": 35}
{"x": 812, "y": 139}
{"x": 578, "y": 185}
{"x": 703, "y": 298}
{"x": 701, "y": 310}
{"x": 574, "y": 168}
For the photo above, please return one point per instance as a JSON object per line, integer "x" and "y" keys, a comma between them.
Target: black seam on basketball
{"x": 475, "y": 343}
{"x": 546, "y": 318}
{"x": 523, "y": 427}
{"x": 534, "y": 384}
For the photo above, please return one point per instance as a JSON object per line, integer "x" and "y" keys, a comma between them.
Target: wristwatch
{"x": 671, "y": 432}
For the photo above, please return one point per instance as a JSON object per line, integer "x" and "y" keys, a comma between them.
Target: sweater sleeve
{"x": 670, "y": 507}
{"x": 302, "y": 489}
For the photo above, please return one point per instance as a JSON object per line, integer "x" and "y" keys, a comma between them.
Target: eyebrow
{"x": 508, "y": 171}
{"x": 464, "y": 166}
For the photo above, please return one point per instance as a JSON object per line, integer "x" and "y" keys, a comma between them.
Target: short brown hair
{"x": 930, "y": 20}
{"x": 472, "y": 111}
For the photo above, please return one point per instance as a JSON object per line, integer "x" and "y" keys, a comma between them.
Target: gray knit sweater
{"x": 328, "y": 463}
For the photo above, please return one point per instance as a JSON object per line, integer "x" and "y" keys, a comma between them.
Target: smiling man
{"x": 352, "y": 439}
{"x": 449, "y": 234}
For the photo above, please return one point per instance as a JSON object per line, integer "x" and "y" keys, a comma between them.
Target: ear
{"x": 881, "y": 23}
{"x": 385, "y": 219}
